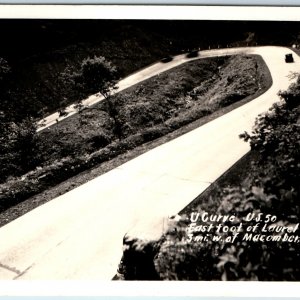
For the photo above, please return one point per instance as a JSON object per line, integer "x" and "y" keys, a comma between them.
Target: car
{"x": 289, "y": 58}
{"x": 193, "y": 53}
{"x": 167, "y": 59}
{"x": 62, "y": 113}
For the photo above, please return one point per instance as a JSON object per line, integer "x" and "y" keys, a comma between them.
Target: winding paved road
{"x": 137, "y": 77}
{"x": 79, "y": 234}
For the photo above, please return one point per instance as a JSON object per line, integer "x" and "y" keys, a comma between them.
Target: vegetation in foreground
{"x": 270, "y": 188}
{"x": 133, "y": 117}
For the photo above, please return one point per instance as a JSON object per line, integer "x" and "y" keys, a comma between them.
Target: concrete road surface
{"x": 79, "y": 234}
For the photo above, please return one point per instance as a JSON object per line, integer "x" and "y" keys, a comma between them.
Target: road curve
{"x": 79, "y": 234}
{"x": 140, "y": 76}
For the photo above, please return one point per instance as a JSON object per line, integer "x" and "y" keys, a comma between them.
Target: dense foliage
{"x": 93, "y": 75}
{"x": 17, "y": 138}
{"x": 18, "y": 151}
{"x": 271, "y": 188}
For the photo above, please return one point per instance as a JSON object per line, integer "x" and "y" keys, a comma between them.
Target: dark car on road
{"x": 289, "y": 58}
{"x": 193, "y": 53}
{"x": 167, "y": 59}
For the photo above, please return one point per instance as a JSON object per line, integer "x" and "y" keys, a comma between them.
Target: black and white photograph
{"x": 149, "y": 149}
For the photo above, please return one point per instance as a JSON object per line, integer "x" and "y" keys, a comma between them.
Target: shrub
{"x": 187, "y": 117}
{"x": 100, "y": 140}
{"x": 155, "y": 132}
{"x": 18, "y": 153}
{"x": 178, "y": 259}
{"x": 137, "y": 260}
{"x": 276, "y": 137}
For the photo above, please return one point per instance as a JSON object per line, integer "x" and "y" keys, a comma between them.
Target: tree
{"x": 95, "y": 75}
{"x": 98, "y": 74}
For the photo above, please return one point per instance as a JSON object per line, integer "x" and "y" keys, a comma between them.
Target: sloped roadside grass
{"x": 266, "y": 187}
{"x": 142, "y": 113}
